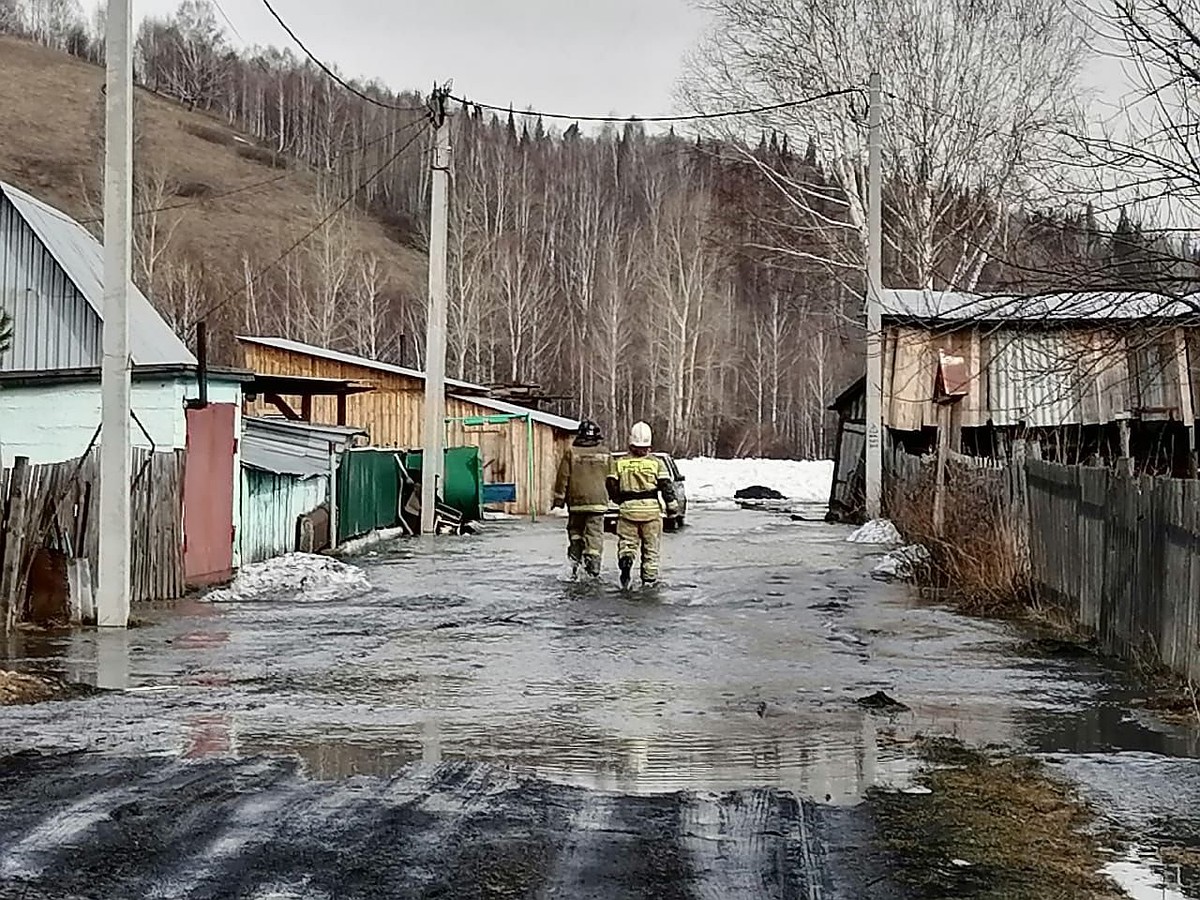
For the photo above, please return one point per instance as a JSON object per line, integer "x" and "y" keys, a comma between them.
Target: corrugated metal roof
{"x": 502, "y": 406}
{"x": 351, "y": 360}
{"x": 292, "y": 448}
{"x": 952, "y": 306}
{"x": 72, "y": 334}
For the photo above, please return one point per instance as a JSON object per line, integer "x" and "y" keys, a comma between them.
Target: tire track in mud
{"x": 79, "y": 826}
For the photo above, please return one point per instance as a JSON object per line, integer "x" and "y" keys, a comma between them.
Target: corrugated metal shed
{"x": 51, "y": 282}
{"x": 271, "y": 506}
{"x": 953, "y": 306}
{"x": 351, "y": 360}
{"x": 292, "y": 448}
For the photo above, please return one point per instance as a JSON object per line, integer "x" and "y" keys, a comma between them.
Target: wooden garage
{"x": 392, "y": 413}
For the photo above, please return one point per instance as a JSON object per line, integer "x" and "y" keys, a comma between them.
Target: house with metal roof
{"x": 519, "y": 446}
{"x": 51, "y": 271}
{"x": 1088, "y": 375}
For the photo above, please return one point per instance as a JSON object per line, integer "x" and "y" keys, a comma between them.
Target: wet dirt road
{"x": 475, "y": 726}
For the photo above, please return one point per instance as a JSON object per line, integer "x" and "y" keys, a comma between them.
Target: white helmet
{"x": 640, "y": 436}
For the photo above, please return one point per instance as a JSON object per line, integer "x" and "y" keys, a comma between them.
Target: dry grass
{"x": 1022, "y": 834}
{"x": 979, "y": 559}
{"x": 51, "y": 116}
{"x": 17, "y": 689}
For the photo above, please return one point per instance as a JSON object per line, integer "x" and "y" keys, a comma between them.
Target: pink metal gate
{"x": 208, "y": 529}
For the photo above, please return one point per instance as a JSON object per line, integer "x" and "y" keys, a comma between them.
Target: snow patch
{"x": 367, "y": 541}
{"x": 902, "y": 562}
{"x": 1137, "y": 876}
{"x": 877, "y": 531}
{"x": 717, "y": 480}
{"x": 305, "y": 576}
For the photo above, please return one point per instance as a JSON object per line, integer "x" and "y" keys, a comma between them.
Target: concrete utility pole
{"x": 874, "y": 450}
{"x": 112, "y": 596}
{"x": 435, "y": 335}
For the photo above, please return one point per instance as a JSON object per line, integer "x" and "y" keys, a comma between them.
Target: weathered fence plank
{"x": 53, "y": 506}
{"x": 1121, "y": 554}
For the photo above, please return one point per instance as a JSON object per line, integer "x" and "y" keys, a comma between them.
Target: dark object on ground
{"x": 758, "y": 492}
{"x": 762, "y": 709}
{"x": 881, "y": 702}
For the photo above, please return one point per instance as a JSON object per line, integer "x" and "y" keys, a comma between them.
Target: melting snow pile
{"x": 718, "y": 480}
{"x": 877, "y": 531}
{"x": 902, "y": 563}
{"x": 307, "y": 576}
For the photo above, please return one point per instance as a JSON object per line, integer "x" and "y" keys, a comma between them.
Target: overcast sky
{"x": 577, "y": 56}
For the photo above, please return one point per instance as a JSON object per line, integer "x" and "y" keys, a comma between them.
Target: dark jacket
{"x": 581, "y": 479}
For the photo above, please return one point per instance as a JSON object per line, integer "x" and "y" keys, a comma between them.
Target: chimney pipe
{"x": 202, "y": 367}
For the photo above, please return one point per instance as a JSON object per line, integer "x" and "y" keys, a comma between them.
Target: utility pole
{"x": 435, "y": 335}
{"x": 874, "y": 379}
{"x": 112, "y": 596}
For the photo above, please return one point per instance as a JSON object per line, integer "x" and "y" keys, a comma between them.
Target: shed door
{"x": 208, "y": 494}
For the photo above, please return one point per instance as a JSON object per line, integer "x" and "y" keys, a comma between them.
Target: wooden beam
{"x": 306, "y": 407}
{"x": 282, "y": 405}
{"x": 341, "y": 409}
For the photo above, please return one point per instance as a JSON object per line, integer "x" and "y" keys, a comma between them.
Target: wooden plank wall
{"x": 1122, "y": 555}
{"x": 393, "y": 415}
{"x": 61, "y": 511}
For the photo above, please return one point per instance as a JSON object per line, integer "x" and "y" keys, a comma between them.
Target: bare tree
{"x": 976, "y": 92}
{"x": 1152, "y": 157}
{"x": 6, "y": 331}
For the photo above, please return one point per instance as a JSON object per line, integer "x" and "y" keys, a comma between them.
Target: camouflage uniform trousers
{"x": 585, "y": 539}
{"x": 641, "y": 538}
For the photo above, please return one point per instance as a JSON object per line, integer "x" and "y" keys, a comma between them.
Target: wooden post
{"x": 341, "y": 410}
{"x": 306, "y": 403}
{"x": 943, "y": 451}
{"x": 14, "y": 543}
{"x": 1125, "y": 464}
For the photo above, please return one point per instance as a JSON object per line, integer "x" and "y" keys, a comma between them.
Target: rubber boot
{"x": 626, "y": 566}
{"x": 591, "y": 565}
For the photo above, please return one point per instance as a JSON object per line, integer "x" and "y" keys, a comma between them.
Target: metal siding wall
{"x": 271, "y": 504}
{"x": 1032, "y": 377}
{"x": 53, "y": 325}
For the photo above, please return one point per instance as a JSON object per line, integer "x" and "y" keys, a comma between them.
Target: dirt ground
{"x": 476, "y": 726}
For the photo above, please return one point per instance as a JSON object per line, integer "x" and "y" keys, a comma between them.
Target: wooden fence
{"x": 1120, "y": 553}
{"x": 56, "y": 507}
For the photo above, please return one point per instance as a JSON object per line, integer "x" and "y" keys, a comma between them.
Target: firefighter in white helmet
{"x": 634, "y": 484}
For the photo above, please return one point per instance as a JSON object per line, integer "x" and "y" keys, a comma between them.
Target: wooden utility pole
{"x": 112, "y": 597}
{"x": 874, "y": 380}
{"x": 432, "y": 462}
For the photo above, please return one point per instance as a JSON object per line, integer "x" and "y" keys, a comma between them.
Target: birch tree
{"x": 977, "y": 90}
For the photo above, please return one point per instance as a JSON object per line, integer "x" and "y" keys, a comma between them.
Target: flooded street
{"x": 475, "y": 725}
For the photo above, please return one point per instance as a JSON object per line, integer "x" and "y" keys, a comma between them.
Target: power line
{"x": 332, "y": 75}
{"x": 687, "y": 117}
{"x": 349, "y": 150}
{"x": 346, "y": 201}
{"x": 228, "y": 21}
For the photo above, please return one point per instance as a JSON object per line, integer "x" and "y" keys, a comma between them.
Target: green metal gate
{"x": 462, "y": 486}
{"x": 369, "y": 492}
